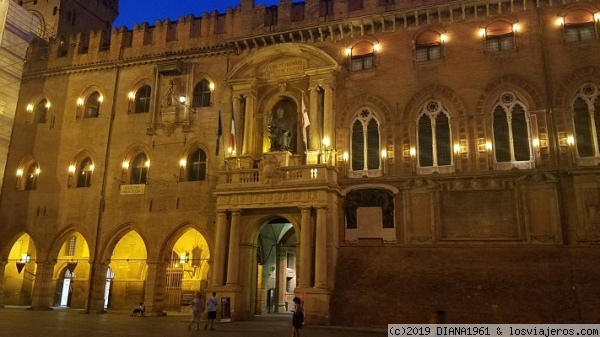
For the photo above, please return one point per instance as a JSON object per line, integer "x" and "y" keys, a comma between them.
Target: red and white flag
{"x": 305, "y": 121}
{"x": 232, "y": 133}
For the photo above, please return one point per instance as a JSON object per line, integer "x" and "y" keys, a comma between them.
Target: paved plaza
{"x": 18, "y": 322}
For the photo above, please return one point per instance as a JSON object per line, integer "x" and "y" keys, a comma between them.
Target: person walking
{"x": 212, "y": 311}
{"x": 297, "y": 317}
{"x": 196, "y": 307}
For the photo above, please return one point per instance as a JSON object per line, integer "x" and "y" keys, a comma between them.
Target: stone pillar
{"x": 321, "y": 249}
{"x": 280, "y": 278}
{"x": 328, "y": 120}
{"x": 305, "y": 249}
{"x": 43, "y": 288}
{"x": 314, "y": 139}
{"x": 2, "y": 281}
{"x": 95, "y": 303}
{"x": 234, "y": 249}
{"x": 220, "y": 246}
{"x": 155, "y": 288}
{"x": 248, "y": 146}
{"x": 237, "y": 111}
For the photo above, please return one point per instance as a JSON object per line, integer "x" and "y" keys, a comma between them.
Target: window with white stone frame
{"x": 586, "y": 124}
{"x": 434, "y": 139}
{"x": 365, "y": 145}
{"x": 511, "y": 134}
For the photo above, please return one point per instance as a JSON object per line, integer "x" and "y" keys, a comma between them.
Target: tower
{"x": 66, "y": 17}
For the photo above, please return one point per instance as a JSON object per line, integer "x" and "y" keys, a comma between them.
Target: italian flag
{"x": 232, "y": 133}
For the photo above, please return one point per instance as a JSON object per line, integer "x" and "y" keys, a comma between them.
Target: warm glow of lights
{"x": 37, "y": 171}
{"x": 80, "y": 101}
{"x": 230, "y": 150}
{"x": 182, "y": 162}
{"x": 125, "y": 165}
{"x": 131, "y": 95}
{"x": 345, "y": 156}
{"x": 488, "y": 146}
{"x": 100, "y": 99}
{"x": 516, "y": 27}
{"x": 383, "y": 154}
{"x": 570, "y": 140}
{"x": 536, "y": 142}
{"x": 71, "y": 168}
{"x": 147, "y": 163}
{"x": 29, "y": 107}
{"x": 92, "y": 167}
{"x": 48, "y": 105}
{"x": 182, "y": 99}
{"x": 482, "y": 32}
{"x": 376, "y": 47}
{"x": 444, "y": 38}
{"x": 19, "y": 172}
{"x": 211, "y": 86}
{"x": 413, "y": 152}
{"x": 348, "y": 51}
{"x": 457, "y": 148}
{"x": 597, "y": 16}
{"x": 560, "y": 21}
{"x": 326, "y": 142}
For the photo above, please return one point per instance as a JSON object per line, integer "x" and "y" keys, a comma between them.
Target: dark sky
{"x": 139, "y": 11}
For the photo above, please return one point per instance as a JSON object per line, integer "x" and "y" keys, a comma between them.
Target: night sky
{"x": 136, "y": 11}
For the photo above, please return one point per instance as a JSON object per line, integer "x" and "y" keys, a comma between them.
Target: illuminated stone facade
{"x": 450, "y": 162}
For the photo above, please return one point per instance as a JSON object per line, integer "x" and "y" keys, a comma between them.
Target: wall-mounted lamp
{"x": 443, "y": 38}
{"x": 29, "y": 107}
{"x": 125, "y": 165}
{"x": 570, "y": 140}
{"x": 482, "y": 32}
{"x": 516, "y": 27}
{"x": 131, "y": 98}
{"x": 488, "y": 146}
{"x": 560, "y": 21}
{"x": 80, "y": 101}
{"x": 412, "y": 152}
{"x": 456, "y": 148}
{"x": 376, "y": 47}
{"x": 597, "y": 16}
{"x": 348, "y": 51}
{"x": 536, "y": 142}
{"x": 211, "y": 86}
{"x": 25, "y": 258}
{"x": 19, "y": 173}
{"x": 384, "y": 154}
{"x": 345, "y": 156}
{"x": 100, "y": 99}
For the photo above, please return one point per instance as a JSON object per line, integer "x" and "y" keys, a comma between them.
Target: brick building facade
{"x": 380, "y": 159}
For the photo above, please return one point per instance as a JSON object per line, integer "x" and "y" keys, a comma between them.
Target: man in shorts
{"x": 211, "y": 304}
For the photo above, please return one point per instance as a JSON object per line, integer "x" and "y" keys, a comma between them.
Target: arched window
{"x": 586, "y": 120}
{"x": 428, "y": 46}
{"x": 139, "y": 169}
{"x": 365, "y": 144}
{"x": 32, "y": 173}
{"x": 511, "y": 130}
{"x": 92, "y": 105}
{"x": 362, "y": 56}
{"x": 499, "y": 36}
{"x": 40, "y": 111}
{"x": 579, "y": 25}
{"x": 84, "y": 172}
{"x": 433, "y": 134}
{"x": 196, "y": 166}
{"x": 142, "y": 99}
{"x": 201, "y": 95}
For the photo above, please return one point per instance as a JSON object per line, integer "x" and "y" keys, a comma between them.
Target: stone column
{"x": 328, "y": 120}
{"x": 220, "y": 246}
{"x": 281, "y": 278}
{"x": 321, "y": 249}
{"x": 155, "y": 288}
{"x": 305, "y": 249}
{"x": 237, "y": 111}
{"x": 2, "y": 281}
{"x": 248, "y": 146}
{"x": 234, "y": 249}
{"x": 95, "y": 302}
{"x": 43, "y": 288}
{"x": 314, "y": 139}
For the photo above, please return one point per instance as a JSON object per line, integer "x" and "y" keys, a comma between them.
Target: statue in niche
{"x": 279, "y": 130}
{"x": 170, "y": 95}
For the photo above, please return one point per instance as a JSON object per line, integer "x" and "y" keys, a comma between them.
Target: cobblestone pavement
{"x": 18, "y": 322}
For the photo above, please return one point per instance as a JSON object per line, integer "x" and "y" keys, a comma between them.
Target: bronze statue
{"x": 279, "y": 131}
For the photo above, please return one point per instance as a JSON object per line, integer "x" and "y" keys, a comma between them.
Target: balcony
{"x": 287, "y": 177}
